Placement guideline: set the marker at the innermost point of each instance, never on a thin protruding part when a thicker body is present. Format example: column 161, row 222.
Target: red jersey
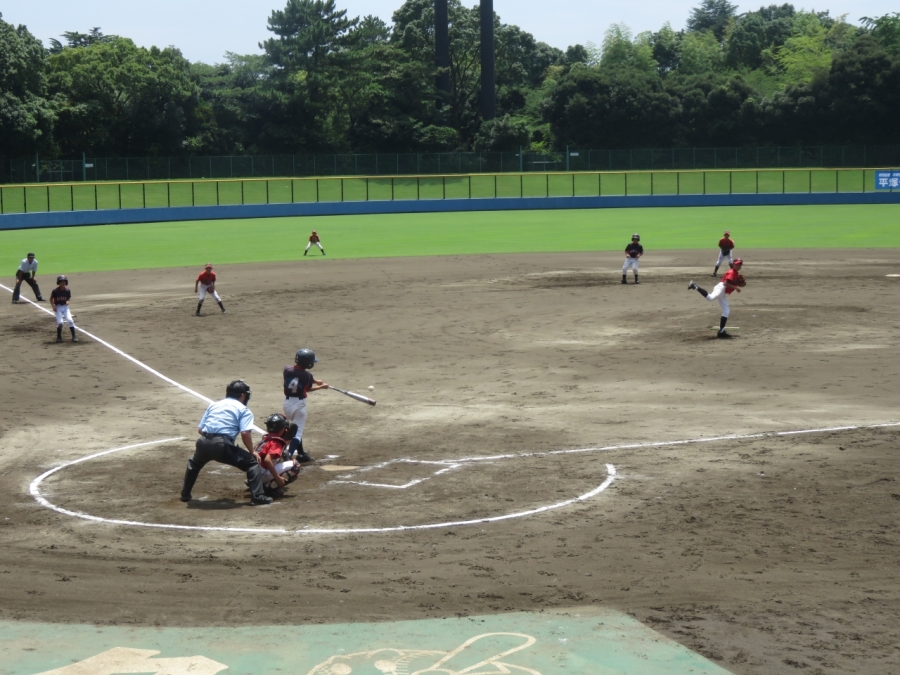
column 207, row 278
column 731, row 275
column 314, row 238
column 726, row 244
column 272, row 445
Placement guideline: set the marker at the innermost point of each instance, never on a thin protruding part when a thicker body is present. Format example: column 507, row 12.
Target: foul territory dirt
column 767, row 554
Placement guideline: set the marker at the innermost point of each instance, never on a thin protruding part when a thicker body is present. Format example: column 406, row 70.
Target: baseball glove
column 741, row 281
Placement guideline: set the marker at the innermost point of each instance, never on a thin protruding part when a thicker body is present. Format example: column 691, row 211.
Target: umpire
column 219, row 426
column 27, row 272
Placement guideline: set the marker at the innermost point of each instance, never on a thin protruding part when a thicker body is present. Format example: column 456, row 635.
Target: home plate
column 337, row 467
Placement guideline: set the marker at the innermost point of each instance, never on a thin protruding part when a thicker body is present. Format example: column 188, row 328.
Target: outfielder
column 206, row 283
column 633, row 253
column 218, row 428
column 726, row 246
column 27, row 272
column 298, row 382
column 59, row 298
column 314, row 239
column 732, row 281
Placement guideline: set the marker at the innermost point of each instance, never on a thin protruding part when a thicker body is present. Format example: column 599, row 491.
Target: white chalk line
column 451, row 464
column 35, row 490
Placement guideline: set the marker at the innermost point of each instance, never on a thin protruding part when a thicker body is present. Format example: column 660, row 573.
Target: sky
column 205, row 30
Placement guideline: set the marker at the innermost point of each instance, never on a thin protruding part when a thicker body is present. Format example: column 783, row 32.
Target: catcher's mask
column 236, row 388
column 276, row 423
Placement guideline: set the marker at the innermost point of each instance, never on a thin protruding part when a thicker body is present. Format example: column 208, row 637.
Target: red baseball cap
column 738, row 261
column 727, row 232
column 208, row 266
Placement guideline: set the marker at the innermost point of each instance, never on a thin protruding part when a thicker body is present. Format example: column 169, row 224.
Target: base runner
column 59, row 298
column 206, row 283
column 726, row 246
column 633, row 253
column 732, row 281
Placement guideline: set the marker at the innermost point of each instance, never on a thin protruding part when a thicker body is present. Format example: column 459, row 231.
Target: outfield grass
column 192, row 243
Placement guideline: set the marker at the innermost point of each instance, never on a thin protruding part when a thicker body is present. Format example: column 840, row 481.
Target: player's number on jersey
column 293, row 384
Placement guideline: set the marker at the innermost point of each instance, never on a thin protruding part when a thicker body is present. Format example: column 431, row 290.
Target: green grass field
column 192, row 243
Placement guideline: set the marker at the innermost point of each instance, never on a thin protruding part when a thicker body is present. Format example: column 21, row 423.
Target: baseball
column 371, row 388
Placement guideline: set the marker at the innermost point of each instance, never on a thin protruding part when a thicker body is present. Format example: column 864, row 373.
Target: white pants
column 722, row 257
column 204, row 290
column 63, row 314
column 632, row 263
column 295, row 411
column 317, row 244
column 718, row 293
column 281, row 468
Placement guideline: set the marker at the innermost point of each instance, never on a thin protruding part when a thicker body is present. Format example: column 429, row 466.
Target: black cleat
column 692, row 286
column 303, row 458
column 723, row 334
column 74, row 339
column 58, row 340
column 261, row 500
column 185, row 498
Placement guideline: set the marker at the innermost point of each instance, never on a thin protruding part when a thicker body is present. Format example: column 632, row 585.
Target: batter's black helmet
column 636, row 237
column 61, row 278
column 236, row 388
column 276, row 422
column 305, row 358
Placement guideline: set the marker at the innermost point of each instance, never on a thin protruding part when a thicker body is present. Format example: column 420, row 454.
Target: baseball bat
column 353, row 395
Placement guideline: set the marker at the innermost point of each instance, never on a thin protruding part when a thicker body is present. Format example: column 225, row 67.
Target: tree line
column 325, row 82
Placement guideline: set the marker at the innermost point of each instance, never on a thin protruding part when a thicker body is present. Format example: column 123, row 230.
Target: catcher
column 281, row 471
column 27, row 272
column 732, row 281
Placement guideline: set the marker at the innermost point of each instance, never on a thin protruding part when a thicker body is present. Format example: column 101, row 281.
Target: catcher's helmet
column 236, row 388
column 61, row 278
column 305, row 358
column 276, row 422
column 738, row 261
column 635, row 237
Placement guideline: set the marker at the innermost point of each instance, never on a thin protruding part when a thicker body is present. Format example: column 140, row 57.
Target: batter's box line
column 448, row 465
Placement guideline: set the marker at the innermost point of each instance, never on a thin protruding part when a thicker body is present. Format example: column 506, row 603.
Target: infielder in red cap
column 206, row 283
column 314, row 239
column 726, row 246
column 732, row 281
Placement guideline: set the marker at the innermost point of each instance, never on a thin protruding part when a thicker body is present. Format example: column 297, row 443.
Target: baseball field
column 548, row 445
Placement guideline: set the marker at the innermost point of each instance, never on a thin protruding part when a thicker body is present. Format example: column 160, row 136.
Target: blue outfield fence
column 92, row 169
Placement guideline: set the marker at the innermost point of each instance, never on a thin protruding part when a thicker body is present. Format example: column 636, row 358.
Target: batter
column 732, row 281
column 298, row 382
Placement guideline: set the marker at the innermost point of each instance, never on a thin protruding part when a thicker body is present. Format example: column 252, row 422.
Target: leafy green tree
column 666, row 46
column 712, row 15
column 755, row 32
column 620, row 50
column 505, row 133
column 26, row 115
column 120, row 99
column 885, row 29
column 75, row 40
column 699, row 53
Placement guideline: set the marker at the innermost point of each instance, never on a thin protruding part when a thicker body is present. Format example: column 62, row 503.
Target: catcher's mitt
column 741, row 281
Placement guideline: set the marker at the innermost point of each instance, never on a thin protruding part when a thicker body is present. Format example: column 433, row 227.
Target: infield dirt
column 767, row 555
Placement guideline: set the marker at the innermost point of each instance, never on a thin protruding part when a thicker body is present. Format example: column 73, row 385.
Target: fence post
column 704, row 182
column 144, row 193
column 567, row 157
column 120, row 194
column 730, row 190
column 367, row 185
column 470, row 186
column 1, row 200
column 418, row 197
column 495, row 186
column 96, row 203
column 443, row 181
column 626, row 183
column 342, row 180
column 782, row 176
column 267, row 191
column 392, row 189
column 757, row 180
column 677, row 181
column 168, row 194
column 48, row 199
column 192, row 193
column 217, row 194
column 521, row 160
column 242, row 192
column 37, row 168
column 83, row 168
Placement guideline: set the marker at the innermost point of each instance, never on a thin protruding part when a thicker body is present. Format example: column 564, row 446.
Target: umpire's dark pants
column 31, row 282
column 221, row 449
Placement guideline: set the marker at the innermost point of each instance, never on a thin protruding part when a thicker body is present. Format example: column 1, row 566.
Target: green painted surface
column 193, row 243
column 579, row 642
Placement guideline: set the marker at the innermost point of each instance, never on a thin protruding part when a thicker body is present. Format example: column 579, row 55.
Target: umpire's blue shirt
column 228, row 417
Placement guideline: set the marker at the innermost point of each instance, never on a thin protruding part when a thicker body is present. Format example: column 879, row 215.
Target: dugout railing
column 47, row 197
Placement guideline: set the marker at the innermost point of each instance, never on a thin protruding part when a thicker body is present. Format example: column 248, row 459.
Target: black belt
column 287, row 397
column 211, row 437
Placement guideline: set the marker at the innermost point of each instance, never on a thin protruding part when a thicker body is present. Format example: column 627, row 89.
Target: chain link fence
column 86, row 169
column 155, row 194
